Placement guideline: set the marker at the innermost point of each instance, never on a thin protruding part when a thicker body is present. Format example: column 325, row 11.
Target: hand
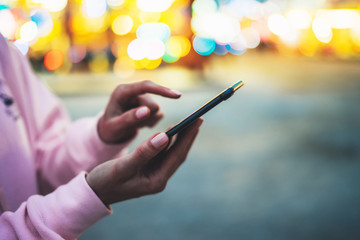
column 144, row 171
column 129, row 108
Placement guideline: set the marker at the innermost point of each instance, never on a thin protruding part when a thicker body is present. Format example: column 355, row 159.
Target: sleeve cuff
column 71, row 208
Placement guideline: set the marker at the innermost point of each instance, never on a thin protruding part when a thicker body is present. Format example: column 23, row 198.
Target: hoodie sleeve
column 62, row 214
column 61, row 148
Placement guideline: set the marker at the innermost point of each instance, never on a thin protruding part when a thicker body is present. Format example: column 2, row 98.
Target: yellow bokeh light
column 122, row 25
column 97, row 25
column 78, row 24
column 123, row 68
column 153, row 64
column 145, row 63
column 355, row 35
column 146, row 17
column 308, row 44
column 342, row 43
column 99, row 63
column 178, row 46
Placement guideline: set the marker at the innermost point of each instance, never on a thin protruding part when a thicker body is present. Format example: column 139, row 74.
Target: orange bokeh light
column 53, row 60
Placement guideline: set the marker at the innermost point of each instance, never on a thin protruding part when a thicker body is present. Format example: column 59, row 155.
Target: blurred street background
column 279, row 160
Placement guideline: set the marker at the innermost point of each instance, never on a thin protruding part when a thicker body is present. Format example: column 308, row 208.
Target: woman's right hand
column 144, row 171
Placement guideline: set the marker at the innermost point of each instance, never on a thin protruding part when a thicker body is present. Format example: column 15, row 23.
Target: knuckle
column 146, row 82
column 143, row 151
column 159, row 185
column 155, row 185
column 119, row 89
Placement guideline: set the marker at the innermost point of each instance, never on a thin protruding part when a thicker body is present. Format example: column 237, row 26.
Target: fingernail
column 159, row 140
column 176, row 92
column 142, row 112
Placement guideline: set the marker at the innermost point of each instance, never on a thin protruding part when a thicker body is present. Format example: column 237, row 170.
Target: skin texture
column 144, row 171
column 148, row 168
column 130, row 107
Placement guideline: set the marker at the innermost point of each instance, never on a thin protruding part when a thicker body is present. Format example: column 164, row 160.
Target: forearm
column 63, row 214
column 63, row 153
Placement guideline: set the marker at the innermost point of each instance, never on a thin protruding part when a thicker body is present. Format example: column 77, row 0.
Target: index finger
column 150, row 87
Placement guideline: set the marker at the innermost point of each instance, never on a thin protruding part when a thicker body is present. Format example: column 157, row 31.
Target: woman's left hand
column 130, row 108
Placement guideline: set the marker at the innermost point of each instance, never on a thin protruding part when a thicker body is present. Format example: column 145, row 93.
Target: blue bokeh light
column 204, row 46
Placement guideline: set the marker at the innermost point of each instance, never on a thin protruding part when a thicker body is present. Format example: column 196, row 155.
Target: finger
column 131, row 119
column 149, row 87
column 146, row 100
column 178, row 152
column 148, row 149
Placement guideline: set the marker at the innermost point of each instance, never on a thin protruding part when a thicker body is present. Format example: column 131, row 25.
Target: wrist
column 92, row 184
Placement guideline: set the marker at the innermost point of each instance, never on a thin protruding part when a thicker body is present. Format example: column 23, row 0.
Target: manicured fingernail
column 159, row 140
column 142, row 112
column 176, row 92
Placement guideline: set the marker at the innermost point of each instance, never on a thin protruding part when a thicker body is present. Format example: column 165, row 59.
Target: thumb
column 149, row 149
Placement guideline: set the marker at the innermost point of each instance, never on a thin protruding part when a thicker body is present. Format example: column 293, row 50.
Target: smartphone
column 222, row 96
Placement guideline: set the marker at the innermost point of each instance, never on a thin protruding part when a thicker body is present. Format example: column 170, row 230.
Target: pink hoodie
column 40, row 150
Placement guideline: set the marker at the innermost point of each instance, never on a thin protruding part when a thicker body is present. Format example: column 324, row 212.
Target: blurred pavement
column 279, row 160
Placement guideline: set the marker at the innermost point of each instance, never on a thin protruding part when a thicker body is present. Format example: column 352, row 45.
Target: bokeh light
column 137, row 49
column 28, row 31
column 7, row 24
column 340, row 18
column 77, row 53
column 122, row 25
column 115, row 4
column 99, row 62
column 143, row 33
column 43, row 21
column 94, row 8
column 54, row 5
column 217, row 26
column 53, row 60
column 204, row 46
column 169, row 58
column 252, row 37
column 159, row 31
column 299, row 18
column 154, row 5
column 322, row 29
column 278, row 24
column 204, row 7
column 148, row 17
column 123, row 68
column 178, row 46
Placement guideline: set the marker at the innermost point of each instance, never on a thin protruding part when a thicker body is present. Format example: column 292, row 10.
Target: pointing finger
column 149, row 87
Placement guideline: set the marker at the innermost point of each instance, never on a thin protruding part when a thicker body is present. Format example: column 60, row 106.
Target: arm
column 74, row 207
column 86, row 143
column 62, row 214
column 62, row 149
